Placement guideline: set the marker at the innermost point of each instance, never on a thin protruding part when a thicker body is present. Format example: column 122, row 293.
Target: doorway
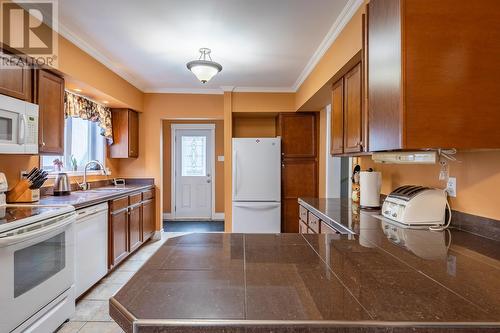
column 193, row 171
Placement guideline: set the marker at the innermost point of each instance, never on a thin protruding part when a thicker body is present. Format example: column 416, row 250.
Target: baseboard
column 218, row 217
column 156, row 236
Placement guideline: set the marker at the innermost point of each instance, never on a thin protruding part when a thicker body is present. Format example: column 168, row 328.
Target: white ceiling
column 263, row 45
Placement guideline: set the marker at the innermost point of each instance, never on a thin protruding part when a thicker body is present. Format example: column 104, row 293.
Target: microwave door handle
column 10, row 240
column 22, row 129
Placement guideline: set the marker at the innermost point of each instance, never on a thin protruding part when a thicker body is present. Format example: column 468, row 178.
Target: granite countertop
column 81, row 199
column 381, row 279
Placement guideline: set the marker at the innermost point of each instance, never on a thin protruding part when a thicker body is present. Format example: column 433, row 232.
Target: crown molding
column 200, row 91
column 345, row 16
column 265, row 89
column 73, row 38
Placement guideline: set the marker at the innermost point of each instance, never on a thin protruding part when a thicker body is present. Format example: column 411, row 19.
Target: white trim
column 265, row 89
column 86, row 47
column 345, row 16
column 218, row 217
column 167, row 216
column 174, row 128
column 200, row 91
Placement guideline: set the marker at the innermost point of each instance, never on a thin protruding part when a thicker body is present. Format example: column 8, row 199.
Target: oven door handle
column 59, row 225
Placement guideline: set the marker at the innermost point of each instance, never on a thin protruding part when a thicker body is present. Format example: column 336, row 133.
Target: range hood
column 406, row 157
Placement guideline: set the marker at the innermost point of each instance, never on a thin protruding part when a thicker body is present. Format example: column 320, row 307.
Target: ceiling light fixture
column 204, row 69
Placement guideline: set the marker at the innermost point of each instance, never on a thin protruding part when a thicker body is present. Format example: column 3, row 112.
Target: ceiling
column 263, row 45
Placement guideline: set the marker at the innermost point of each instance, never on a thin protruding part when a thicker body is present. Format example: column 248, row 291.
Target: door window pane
column 193, row 150
column 5, row 129
column 37, row 263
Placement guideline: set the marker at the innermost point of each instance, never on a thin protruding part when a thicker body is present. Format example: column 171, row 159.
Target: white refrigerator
column 256, row 185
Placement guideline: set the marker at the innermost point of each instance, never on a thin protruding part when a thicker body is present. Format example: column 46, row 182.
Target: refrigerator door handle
column 258, row 206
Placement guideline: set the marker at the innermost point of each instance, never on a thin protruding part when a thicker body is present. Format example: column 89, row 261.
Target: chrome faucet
column 86, row 186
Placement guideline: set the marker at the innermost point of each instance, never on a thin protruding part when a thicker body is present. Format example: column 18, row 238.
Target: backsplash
column 477, row 173
column 12, row 165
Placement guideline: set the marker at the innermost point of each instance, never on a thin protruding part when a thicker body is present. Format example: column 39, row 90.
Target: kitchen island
column 371, row 281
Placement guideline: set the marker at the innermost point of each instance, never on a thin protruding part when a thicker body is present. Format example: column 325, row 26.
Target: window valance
column 80, row 107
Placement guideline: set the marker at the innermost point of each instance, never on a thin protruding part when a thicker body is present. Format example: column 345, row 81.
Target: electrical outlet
column 451, row 187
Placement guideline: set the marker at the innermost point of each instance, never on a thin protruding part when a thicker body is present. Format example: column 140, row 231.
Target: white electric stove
column 37, row 260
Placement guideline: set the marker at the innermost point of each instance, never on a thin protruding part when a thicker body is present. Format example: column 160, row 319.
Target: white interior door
column 193, row 171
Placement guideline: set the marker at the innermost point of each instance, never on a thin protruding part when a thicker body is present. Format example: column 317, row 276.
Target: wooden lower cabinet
column 311, row 224
column 303, row 227
column 148, row 219
column 118, row 236
column 131, row 223
column 134, row 227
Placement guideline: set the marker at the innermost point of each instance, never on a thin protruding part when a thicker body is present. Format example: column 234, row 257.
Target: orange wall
column 167, row 162
column 254, row 127
column 158, row 107
column 347, row 44
column 262, row 102
column 477, row 173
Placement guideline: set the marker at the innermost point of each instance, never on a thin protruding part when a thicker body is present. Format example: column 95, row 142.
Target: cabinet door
column 385, row 96
column 337, row 118
column 352, row 111
column 15, row 81
column 118, row 236
column 299, row 165
column 133, row 133
column 134, row 227
column 298, row 135
column 148, row 219
column 299, row 179
column 50, row 98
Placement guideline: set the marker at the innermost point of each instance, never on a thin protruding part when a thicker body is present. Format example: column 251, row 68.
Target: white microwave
column 18, row 126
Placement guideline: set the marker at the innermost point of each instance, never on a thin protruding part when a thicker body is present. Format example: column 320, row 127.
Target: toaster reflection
column 423, row 243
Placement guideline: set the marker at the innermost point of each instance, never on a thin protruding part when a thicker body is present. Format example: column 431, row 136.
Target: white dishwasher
column 91, row 257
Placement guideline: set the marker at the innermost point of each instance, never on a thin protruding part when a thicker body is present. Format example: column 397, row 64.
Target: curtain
column 80, row 107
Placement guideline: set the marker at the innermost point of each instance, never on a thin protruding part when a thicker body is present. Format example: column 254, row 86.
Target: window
column 82, row 143
column 194, row 149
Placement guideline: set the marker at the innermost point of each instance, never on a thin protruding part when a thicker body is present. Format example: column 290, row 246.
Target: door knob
column 209, row 180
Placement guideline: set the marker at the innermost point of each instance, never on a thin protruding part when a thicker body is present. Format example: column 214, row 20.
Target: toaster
column 416, row 205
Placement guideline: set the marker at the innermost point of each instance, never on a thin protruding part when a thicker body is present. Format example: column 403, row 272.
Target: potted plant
column 74, row 163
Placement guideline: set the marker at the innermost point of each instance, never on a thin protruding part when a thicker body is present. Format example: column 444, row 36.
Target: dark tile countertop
column 96, row 195
column 382, row 279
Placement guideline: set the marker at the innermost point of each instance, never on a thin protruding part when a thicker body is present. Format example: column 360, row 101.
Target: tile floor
column 91, row 314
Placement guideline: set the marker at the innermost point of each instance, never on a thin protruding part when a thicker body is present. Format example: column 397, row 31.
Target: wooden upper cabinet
column 298, row 134
column 353, row 125
column 347, row 120
column 125, row 134
column 337, row 118
column 15, row 81
column 429, row 85
column 50, row 99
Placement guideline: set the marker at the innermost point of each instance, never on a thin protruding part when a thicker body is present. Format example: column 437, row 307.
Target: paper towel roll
column 370, row 184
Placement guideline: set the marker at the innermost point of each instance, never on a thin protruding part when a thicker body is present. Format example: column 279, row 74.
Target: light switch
column 220, row 158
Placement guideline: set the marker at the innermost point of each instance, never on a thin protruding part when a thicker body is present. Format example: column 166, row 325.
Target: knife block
column 21, row 193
